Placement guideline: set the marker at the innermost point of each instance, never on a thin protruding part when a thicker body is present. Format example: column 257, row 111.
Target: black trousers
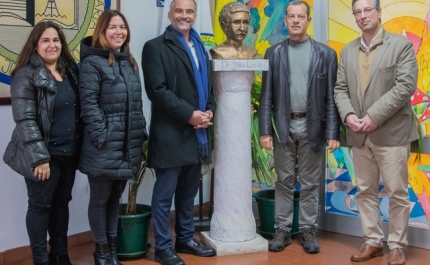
column 103, row 209
column 48, row 208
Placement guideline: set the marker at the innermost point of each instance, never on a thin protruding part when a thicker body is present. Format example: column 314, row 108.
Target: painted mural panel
column 412, row 19
column 17, row 18
column 266, row 29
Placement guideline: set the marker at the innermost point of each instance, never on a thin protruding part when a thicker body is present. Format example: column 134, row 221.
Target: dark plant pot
column 266, row 212
column 132, row 241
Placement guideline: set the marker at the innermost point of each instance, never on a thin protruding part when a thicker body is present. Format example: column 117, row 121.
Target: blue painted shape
column 338, row 201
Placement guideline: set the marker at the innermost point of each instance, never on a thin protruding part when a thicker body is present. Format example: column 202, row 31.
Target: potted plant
column 134, row 218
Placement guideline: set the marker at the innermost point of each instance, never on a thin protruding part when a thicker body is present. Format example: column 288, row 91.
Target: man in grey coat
column 297, row 92
column 376, row 79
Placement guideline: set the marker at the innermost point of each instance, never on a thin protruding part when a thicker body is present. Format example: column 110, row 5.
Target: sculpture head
column 234, row 20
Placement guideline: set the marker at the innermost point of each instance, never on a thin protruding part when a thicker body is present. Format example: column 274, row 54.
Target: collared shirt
column 193, row 52
column 372, row 42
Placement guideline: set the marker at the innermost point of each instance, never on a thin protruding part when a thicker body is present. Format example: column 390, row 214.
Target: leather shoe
column 194, row 247
column 397, row 257
column 168, row 257
column 367, row 252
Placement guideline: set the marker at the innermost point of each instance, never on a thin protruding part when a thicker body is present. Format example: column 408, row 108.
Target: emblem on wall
column 17, row 18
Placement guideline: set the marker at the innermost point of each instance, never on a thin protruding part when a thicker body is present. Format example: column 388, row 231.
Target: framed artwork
column 17, row 21
column 160, row 3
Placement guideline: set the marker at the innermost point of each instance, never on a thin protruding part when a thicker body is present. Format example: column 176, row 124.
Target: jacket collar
column 314, row 58
column 41, row 77
column 176, row 46
column 87, row 50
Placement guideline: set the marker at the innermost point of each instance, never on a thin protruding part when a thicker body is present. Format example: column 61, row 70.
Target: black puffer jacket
column 111, row 108
column 33, row 93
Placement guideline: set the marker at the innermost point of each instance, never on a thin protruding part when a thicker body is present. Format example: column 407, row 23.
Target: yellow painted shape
column 340, row 33
column 410, row 9
column 418, row 180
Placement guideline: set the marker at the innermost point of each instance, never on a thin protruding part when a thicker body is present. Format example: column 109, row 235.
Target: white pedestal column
column 233, row 229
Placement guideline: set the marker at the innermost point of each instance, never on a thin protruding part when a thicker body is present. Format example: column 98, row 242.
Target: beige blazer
column 392, row 81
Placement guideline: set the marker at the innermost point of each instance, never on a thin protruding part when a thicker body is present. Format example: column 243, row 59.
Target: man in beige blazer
column 377, row 76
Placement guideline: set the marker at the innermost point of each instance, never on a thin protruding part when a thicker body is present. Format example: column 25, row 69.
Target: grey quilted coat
column 111, row 109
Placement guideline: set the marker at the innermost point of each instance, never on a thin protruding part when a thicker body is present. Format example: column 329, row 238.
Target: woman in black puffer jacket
column 46, row 140
column 114, row 126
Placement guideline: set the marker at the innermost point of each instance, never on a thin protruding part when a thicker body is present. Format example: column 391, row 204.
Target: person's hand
column 368, row 125
column 332, row 144
column 42, row 171
column 266, row 142
column 201, row 119
column 353, row 122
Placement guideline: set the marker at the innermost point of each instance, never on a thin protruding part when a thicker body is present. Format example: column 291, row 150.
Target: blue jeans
column 103, row 209
column 183, row 182
column 48, row 208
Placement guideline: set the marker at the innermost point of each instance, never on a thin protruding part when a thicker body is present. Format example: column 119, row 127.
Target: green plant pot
column 266, row 212
column 132, row 240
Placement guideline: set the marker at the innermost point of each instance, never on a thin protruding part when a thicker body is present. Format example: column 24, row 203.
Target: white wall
column 144, row 20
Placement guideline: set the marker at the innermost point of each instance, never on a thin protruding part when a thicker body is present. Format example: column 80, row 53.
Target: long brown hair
column 99, row 36
column 65, row 60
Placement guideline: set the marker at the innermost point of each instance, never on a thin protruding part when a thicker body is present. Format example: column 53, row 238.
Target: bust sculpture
column 234, row 20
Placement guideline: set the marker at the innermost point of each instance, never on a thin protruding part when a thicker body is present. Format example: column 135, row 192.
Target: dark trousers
column 183, row 182
column 48, row 208
column 103, row 209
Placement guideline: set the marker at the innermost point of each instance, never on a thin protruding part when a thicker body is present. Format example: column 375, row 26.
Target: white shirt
column 193, row 52
column 372, row 42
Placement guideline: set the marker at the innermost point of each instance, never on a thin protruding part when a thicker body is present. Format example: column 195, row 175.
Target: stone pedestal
column 233, row 228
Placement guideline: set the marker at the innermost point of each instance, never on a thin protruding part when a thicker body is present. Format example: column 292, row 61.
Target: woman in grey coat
column 114, row 126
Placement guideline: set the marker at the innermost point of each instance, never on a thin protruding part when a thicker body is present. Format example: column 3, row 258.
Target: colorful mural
column 17, row 18
column 411, row 19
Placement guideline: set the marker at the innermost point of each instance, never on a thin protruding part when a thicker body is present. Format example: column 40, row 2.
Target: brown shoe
column 397, row 257
column 367, row 252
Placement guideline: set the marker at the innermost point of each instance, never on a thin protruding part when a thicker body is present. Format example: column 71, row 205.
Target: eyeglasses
column 366, row 11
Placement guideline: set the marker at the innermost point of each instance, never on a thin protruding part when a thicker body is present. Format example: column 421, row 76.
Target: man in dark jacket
column 178, row 83
column 298, row 91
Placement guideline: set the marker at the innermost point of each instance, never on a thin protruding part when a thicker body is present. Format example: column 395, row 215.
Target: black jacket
column 321, row 114
column 170, row 85
column 111, row 108
column 33, row 93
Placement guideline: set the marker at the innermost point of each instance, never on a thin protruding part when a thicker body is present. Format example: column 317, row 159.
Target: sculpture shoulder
column 228, row 52
column 249, row 49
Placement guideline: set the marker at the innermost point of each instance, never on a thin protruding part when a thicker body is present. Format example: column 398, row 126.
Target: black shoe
column 102, row 254
column 309, row 241
column 281, row 239
column 112, row 248
column 194, row 247
column 59, row 260
column 168, row 257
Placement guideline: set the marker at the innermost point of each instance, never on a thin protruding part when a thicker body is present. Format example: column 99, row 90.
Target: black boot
column 112, row 246
column 102, row 255
column 59, row 260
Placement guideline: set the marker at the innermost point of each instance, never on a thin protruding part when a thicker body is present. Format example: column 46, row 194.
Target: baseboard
column 19, row 254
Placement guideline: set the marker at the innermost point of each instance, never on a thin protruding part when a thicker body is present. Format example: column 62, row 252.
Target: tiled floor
column 336, row 249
